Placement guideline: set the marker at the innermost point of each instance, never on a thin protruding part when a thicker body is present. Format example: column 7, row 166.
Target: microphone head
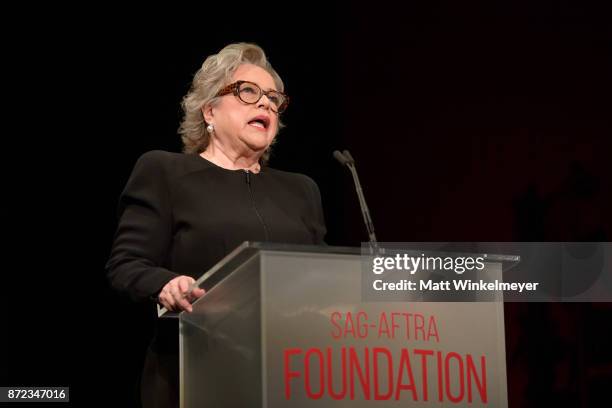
column 340, row 157
column 348, row 156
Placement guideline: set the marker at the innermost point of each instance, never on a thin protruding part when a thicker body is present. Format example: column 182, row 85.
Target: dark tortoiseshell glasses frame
column 271, row 95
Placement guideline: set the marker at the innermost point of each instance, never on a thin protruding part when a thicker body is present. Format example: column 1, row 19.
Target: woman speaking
column 180, row 213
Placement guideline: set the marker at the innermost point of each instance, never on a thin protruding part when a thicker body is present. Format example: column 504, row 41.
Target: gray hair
column 215, row 73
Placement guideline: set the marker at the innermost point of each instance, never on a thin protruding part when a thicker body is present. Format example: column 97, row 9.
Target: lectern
column 288, row 326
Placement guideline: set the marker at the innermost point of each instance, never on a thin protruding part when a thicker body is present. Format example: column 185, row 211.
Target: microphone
column 341, row 158
column 347, row 154
column 346, row 159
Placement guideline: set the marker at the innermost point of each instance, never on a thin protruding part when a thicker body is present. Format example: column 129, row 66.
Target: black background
column 472, row 121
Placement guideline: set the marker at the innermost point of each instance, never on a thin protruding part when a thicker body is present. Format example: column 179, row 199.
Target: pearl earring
column 210, row 128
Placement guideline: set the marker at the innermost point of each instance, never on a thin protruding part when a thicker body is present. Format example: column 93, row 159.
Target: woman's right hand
column 175, row 295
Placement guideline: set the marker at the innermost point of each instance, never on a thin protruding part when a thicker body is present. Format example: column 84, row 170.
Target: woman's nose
column 264, row 102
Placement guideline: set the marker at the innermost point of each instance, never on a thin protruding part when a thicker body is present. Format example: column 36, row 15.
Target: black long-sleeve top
column 180, row 214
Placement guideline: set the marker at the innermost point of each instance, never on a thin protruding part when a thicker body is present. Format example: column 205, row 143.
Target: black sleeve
column 318, row 219
column 144, row 233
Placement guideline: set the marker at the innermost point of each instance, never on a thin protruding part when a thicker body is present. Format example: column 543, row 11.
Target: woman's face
column 240, row 126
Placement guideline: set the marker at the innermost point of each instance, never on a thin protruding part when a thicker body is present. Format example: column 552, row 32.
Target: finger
column 173, row 295
column 180, row 301
column 184, row 285
column 183, row 304
column 165, row 296
column 167, row 301
column 197, row 292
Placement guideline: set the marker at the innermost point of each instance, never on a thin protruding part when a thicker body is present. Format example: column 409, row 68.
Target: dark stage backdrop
column 468, row 122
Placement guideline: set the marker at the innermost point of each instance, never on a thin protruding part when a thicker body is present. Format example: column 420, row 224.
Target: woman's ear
column 207, row 112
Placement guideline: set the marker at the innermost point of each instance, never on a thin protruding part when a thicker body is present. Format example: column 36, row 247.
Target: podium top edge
column 325, row 249
column 328, row 249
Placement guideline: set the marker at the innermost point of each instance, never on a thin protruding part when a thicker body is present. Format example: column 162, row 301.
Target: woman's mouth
column 261, row 122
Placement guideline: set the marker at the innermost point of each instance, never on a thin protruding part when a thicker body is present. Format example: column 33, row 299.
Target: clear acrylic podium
column 286, row 326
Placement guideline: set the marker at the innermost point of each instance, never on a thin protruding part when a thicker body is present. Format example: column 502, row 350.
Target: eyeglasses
column 249, row 92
